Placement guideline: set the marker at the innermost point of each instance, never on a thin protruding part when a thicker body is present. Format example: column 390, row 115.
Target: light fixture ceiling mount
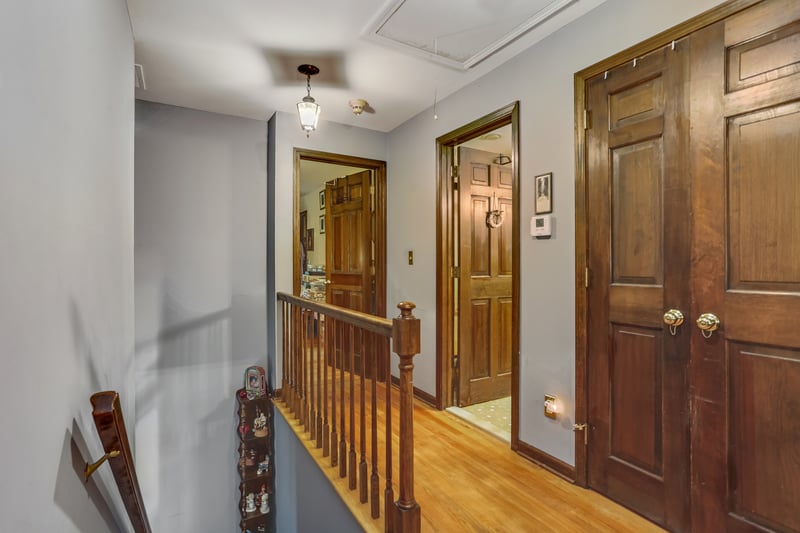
column 308, row 109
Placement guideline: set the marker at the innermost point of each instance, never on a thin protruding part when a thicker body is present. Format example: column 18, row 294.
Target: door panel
column 749, row 137
column 485, row 300
column 746, row 375
column 764, row 376
column 636, row 208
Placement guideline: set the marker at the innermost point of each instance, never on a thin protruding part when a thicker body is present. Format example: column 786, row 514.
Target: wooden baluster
column 326, row 357
column 362, row 465
column 388, row 492
column 301, row 358
column 294, row 360
column 375, row 497
column 289, row 357
column 318, row 362
column 334, row 434
column 300, row 374
column 352, row 457
column 311, row 415
column 405, row 340
column 342, row 441
column 285, row 365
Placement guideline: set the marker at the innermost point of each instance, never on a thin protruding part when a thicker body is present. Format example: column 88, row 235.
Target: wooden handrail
column 313, row 384
column 110, row 425
column 381, row 326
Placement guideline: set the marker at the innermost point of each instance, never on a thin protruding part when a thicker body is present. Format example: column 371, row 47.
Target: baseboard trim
column 546, row 461
column 419, row 394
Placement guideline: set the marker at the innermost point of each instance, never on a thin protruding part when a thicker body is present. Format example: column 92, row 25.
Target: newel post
column 406, row 344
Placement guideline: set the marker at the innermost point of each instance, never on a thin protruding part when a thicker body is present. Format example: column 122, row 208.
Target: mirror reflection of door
column 341, row 240
column 313, row 235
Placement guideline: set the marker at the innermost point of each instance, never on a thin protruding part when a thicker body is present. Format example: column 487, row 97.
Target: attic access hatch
column 459, row 33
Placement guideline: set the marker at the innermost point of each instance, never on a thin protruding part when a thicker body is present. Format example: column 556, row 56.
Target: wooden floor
column 468, row 481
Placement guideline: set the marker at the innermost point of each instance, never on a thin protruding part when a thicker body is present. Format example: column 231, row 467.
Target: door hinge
column 586, row 117
column 455, row 272
column 585, row 429
column 455, row 360
column 372, row 198
column 587, row 277
column 454, row 173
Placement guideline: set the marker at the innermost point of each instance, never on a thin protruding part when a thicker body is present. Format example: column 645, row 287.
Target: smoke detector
column 357, row 105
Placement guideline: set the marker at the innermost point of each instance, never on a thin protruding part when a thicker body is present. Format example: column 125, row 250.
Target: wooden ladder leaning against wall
column 330, row 383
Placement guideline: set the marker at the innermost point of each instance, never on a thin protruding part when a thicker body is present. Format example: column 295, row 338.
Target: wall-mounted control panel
column 542, row 226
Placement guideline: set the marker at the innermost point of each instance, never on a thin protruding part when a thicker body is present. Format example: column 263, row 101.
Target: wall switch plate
column 411, row 257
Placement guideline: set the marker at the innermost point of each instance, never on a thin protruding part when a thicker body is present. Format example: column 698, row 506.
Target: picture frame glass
column 543, row 194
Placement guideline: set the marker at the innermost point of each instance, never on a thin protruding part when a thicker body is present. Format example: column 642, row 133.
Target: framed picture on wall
column 322, row 199
column 321, row 224
column 303, row 222
column 310, row 240
column 544, row 194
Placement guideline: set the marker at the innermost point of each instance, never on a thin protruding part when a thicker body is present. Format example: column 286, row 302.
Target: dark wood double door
column 693, row 204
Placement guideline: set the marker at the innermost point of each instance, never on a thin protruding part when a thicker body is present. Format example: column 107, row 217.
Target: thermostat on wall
column 541, row 226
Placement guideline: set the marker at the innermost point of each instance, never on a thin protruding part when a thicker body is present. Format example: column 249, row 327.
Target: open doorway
column 340, row 230
column 478, row 272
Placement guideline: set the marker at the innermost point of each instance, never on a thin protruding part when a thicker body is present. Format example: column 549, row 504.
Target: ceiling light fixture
column 308, row 109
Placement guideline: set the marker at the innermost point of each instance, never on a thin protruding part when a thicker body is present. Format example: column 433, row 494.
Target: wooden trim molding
column 546, row 461
column 664, row 38
column 380, row 215
column 445, row 297
column 419, row 394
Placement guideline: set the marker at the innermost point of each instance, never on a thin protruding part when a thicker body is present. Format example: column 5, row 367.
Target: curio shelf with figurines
column 255, row 454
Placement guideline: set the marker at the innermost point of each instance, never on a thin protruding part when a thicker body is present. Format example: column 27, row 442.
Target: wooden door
column 745, row 377
column 349, row 245
column 638, row 226
column 485, row 292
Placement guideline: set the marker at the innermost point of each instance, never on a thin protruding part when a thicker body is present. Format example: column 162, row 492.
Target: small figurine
column 251, row 457
column 260, row 424
column 242, row 459
column 243, row 427
column 255, row 383
column 264, row 500
column 263, row 466
column 251, row 503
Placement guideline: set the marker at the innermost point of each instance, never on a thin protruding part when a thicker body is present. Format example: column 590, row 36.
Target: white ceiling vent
column 447, row 33
column 139, row 74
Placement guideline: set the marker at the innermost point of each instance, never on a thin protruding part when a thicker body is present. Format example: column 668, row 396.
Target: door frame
column 445, row 255
column 379, row 168
column 582, row 272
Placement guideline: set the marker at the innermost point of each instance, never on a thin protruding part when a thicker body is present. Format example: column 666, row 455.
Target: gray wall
column 66, row 241
column 541, row 78
column 200, row 306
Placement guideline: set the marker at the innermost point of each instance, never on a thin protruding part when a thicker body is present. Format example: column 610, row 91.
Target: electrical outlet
column 550, row 406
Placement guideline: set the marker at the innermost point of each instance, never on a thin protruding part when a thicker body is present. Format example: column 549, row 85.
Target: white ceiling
column 240, row 57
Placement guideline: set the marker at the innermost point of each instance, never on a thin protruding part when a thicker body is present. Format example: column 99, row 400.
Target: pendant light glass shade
column 308, row 110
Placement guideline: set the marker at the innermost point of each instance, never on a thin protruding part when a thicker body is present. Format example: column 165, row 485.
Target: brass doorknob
column 673, row 318
column 708, row 323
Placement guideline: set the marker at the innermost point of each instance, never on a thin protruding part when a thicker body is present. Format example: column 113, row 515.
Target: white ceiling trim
column 374, row 29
